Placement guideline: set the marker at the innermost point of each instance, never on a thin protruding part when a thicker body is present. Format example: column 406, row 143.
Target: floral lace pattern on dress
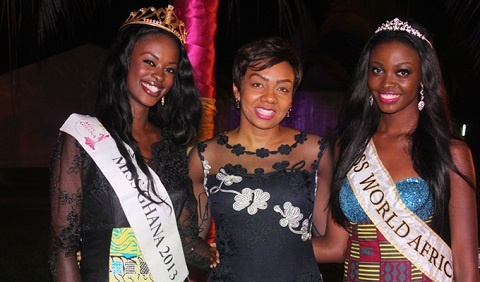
column 291, row 219
column 262, row 203
column 283, row 149
column 256, row 199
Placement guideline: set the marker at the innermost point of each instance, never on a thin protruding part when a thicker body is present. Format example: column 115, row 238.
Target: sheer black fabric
column 262, row 204
column 85, row 209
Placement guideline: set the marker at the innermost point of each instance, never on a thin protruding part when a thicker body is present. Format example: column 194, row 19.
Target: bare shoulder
column 459, row 147
column 462, row 158
column 460, row 152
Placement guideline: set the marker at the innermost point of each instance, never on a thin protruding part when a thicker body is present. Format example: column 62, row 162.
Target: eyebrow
column 396, row 65
column 266, row 79
column 149, row 53
column 157, row 58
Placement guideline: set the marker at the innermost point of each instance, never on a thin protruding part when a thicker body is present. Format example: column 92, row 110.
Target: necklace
column 283, row 149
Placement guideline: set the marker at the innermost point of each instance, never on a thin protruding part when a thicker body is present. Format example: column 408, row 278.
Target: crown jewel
column 398, row 25
column 163, row 18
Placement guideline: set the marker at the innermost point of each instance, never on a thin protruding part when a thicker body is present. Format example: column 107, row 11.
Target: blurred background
column 50, row 51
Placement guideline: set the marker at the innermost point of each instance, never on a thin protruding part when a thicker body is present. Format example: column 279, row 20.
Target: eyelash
column 169, row 70
column 150, row 62
column 375, row 70
column 402, row 72
column 282, row 89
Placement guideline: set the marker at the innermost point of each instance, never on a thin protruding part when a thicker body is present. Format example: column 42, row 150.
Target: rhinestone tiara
column 163, row 18
column 398, row 25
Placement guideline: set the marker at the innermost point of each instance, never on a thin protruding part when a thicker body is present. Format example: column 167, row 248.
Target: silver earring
column 421, row 104
column 370, row 100
column 288, row 112
column 237, row 103
column 163, row 100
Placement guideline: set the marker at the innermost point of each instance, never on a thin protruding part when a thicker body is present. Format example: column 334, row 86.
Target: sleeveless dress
column 262, row 204
column 370, row 257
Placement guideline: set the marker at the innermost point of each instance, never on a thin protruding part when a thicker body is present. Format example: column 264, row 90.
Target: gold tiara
column 398, row 25
column 162, row 18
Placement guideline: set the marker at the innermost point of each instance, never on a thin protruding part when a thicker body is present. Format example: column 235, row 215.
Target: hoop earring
column 421, row 104
column 288, row 112
column 237, row 103
column 370, row 100
column 163, row 101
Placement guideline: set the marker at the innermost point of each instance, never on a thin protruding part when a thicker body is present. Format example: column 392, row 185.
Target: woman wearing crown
column 120, row 190
column 403, row 194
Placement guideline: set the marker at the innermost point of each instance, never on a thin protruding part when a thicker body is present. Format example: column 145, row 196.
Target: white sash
column 154, row 224
column 378, row 196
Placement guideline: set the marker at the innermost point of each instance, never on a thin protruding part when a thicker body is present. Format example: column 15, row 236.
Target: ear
column 236, row 92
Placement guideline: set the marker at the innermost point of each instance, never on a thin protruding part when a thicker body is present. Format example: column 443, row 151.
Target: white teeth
column 265, row 112
column 151, row 87
column 389, row 96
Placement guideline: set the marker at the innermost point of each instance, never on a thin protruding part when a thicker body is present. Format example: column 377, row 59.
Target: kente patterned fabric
column 370, row 256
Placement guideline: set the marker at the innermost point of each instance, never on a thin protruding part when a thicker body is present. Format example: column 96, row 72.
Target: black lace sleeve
column 197, row 251
column 66, row 198
column 170, row 162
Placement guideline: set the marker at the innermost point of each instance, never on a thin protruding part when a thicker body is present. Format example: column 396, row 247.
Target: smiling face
column 394, row 77
column 153, row 64
column 265, row 96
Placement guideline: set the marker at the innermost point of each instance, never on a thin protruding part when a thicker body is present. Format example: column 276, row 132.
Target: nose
column 158, row 75
column 270, row 97
column 388, row 80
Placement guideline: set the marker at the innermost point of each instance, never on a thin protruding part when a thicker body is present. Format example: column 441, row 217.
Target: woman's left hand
column 214, row 256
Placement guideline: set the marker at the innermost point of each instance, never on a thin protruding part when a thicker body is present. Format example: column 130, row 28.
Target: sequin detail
column 414, row 193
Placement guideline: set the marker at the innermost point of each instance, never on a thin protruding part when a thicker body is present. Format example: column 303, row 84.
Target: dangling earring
column 288, row 112
column 163, row 100
column 370, row 100
column 237, row 103
column 421, row 104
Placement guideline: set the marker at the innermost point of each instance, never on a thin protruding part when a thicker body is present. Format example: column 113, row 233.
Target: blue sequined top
column 414, row 193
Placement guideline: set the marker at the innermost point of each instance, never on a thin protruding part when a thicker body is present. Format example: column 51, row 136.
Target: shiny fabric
column 87, row 209
column 370, row 257
column 262, row 205
column 200, row 18
column 414, row 193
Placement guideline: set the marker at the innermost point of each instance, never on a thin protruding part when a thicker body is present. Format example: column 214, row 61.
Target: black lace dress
column 262, row 204
column 85, row 209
